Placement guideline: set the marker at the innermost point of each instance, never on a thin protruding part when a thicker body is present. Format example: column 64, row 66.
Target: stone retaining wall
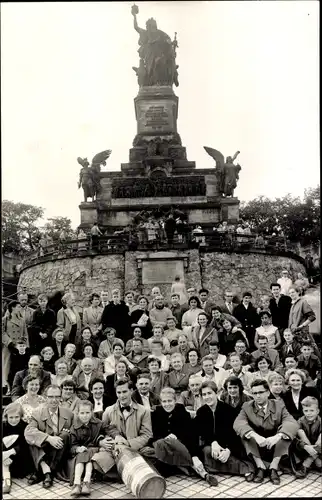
column 216, row 271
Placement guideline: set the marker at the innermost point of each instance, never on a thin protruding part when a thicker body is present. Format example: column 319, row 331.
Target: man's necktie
column 127, row 408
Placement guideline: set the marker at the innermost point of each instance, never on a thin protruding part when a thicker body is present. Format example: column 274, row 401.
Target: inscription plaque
column 161, row 271
column 155, row 116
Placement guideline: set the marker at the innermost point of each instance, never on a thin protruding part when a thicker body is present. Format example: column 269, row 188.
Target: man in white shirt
column 285, row 282
column 210, row 372
column 104, row 298
column 219, row 359
column 95, row 233
column 84, row 377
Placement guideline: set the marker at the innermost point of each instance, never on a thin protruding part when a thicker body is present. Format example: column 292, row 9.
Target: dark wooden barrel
column 143, row 480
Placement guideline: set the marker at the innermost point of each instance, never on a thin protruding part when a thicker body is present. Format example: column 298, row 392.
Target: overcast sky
column 249, row 81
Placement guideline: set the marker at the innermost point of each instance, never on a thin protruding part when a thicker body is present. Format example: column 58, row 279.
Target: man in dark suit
column 206, row 304
column 228, row 306
column 246, row 313
column 48, row 437
column 116, row 315
column 267, row 430
column 222, row 449
column 176, row 309
column 191, row 399
column 34, row 368
column 143, row 395
column 280, row 306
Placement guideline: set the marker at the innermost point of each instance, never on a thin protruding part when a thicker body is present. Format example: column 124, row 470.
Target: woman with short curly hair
column 297, row 391
column 30, row 400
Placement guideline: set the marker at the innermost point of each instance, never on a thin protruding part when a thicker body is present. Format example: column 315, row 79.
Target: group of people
column 191, row 385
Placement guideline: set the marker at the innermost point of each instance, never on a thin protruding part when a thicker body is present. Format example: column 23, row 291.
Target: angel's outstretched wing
column 82, row 161
column 100, row 158
column 216, row 155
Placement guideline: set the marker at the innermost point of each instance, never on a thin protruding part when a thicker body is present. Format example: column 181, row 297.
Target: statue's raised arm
column 134, row 12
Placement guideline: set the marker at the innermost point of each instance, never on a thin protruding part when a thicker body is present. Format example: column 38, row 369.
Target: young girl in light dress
column 268, row 330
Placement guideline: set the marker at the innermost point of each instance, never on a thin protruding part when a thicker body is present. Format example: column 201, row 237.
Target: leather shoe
column 76, row 491
column 211, row 479
column 48, row 481
column 274, row 477
column 259, row 475
column 34, row 479
column 250, row 477
column 301, row 472
column 86, row 489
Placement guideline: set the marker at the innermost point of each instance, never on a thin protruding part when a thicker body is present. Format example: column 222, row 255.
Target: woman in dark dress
column 229, row 336
column 140, row 317
column 85, row 339
column 174, row 443
column 121, row 372
column 296, row 392
column 42, row 326
column 58, row 343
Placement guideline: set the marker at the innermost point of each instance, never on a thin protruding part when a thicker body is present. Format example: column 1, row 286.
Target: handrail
column 208, row 240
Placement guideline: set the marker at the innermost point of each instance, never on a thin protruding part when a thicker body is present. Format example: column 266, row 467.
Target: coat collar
column 78, row 424
column 134, row 407
column 270, row 408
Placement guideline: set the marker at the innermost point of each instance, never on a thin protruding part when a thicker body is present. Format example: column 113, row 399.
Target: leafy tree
column 298, row 220
column 19, row 226
column 58, row 225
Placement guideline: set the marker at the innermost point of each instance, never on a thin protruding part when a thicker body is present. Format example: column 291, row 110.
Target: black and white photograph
column 160, row 250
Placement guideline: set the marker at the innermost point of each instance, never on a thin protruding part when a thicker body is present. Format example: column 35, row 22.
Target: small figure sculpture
column 228, row 173
column 89, row 177
column 157, row 54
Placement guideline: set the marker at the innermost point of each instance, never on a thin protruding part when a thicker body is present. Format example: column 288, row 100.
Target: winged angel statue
column 228, row 172
column 89, row 176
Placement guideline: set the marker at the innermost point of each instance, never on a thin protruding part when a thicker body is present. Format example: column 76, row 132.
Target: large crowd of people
column 192, row 384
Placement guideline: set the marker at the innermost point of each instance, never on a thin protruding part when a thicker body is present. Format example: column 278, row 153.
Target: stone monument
column 158, row 173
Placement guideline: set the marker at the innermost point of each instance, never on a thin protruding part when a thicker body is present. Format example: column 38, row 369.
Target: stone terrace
column 182, row 487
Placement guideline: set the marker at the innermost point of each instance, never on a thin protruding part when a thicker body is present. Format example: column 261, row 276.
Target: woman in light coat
column 68, row 319
column 13, row 329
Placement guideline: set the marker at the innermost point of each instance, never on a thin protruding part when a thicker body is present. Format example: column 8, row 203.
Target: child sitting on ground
column 308, row 442
column 16, row 459
column 85, row 435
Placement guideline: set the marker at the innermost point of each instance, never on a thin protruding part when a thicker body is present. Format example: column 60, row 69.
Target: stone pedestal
column 158, row 174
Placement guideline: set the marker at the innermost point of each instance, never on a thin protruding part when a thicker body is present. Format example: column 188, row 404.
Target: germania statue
column 157, row 55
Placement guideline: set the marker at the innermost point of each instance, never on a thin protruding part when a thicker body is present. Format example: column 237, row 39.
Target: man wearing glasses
column 266, row 429
column 48, row 436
